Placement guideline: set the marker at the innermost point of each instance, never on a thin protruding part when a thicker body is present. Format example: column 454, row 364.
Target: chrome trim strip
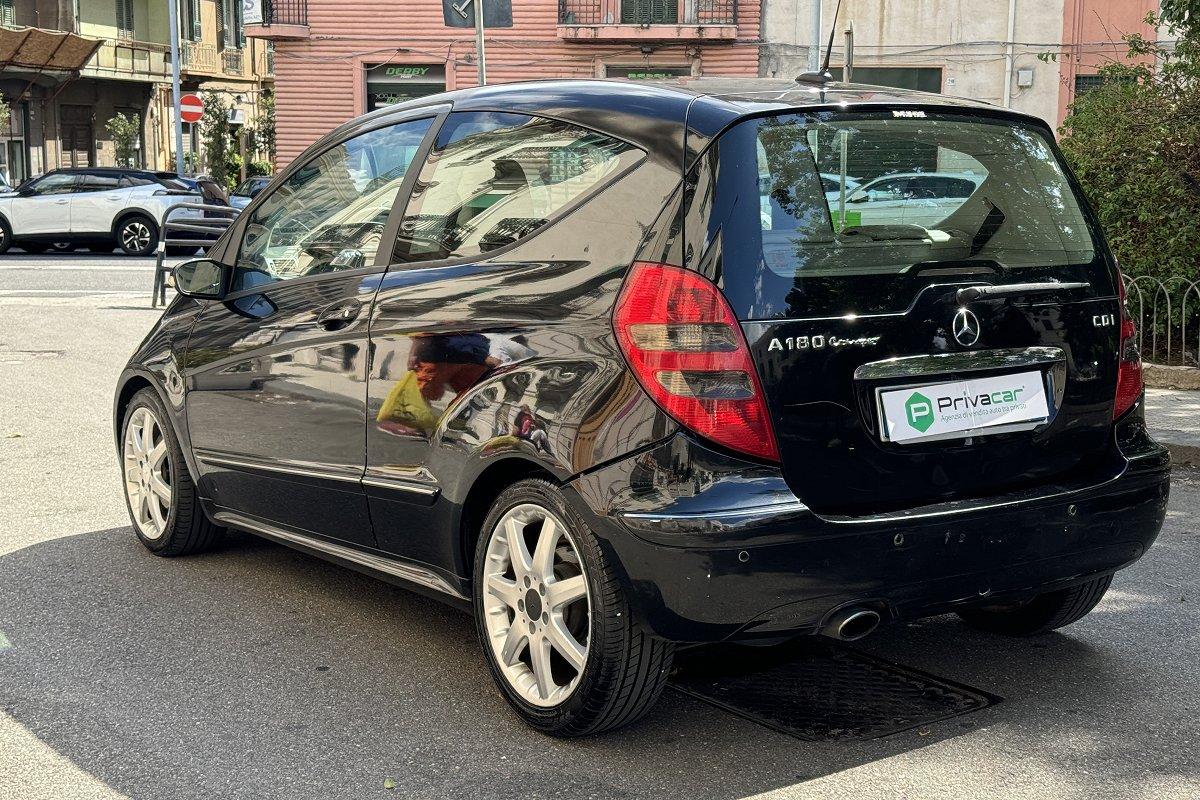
column 400, row 485
column 394, row 567
column 971, row 361
column 245, row 463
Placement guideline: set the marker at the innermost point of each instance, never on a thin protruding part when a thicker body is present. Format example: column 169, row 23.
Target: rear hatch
column 947, row 330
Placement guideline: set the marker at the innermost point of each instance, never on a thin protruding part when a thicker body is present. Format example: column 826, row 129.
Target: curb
column 1182, row 455
column 1158, row 376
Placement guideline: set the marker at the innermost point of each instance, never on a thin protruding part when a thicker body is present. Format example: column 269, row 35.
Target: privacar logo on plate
column 920, row 411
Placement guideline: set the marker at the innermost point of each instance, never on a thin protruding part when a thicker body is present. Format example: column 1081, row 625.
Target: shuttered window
column 649, row 12
column 189, row 20
column 8, row 16
column 230, row 34
column 125, row 19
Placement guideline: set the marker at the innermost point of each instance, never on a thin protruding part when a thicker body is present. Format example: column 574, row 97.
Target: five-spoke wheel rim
column 147, row 473
column 135, row 236
column 536, row 605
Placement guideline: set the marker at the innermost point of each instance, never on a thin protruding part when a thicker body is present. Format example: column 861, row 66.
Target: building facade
column 335, row 59
column 1029, row 55
column 67, row 68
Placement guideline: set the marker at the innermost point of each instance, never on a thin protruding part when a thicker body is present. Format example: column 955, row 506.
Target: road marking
column 75, row 268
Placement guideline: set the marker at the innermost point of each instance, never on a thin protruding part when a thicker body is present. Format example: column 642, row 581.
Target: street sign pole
column 173, row 24
column 479, row 42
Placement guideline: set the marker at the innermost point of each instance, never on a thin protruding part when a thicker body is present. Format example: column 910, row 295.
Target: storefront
column 388, row 84
column 14, row 142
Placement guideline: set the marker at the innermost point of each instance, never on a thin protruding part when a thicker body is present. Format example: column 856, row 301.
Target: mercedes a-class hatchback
column 613, row 367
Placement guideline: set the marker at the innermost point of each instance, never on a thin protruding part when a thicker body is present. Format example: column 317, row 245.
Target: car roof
column 653, row 114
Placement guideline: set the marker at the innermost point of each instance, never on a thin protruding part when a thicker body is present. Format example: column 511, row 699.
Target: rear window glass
column 858, row 204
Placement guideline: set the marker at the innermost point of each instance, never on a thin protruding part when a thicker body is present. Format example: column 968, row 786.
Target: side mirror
column 25, row 191
column 201, row 278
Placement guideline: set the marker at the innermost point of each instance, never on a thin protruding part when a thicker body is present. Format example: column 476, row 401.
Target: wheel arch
column 133, row 381
column 126, row 213
column 487, row 486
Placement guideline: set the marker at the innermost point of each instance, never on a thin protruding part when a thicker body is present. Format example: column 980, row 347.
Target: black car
column 604, row 363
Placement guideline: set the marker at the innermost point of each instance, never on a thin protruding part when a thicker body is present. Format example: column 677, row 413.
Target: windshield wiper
column 969, row 294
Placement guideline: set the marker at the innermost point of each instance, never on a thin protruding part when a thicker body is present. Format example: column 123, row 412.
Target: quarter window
column 492, row 179
column 330, row 213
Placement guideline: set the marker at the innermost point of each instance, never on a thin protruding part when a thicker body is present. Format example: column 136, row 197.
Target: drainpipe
column 1008, row 52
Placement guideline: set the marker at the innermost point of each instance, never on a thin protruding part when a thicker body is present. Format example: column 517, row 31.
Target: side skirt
column 406, row 574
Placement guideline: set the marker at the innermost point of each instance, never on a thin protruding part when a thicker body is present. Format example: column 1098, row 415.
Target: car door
column 44, row 206
column 98, row 197
column 277, row 371
column 458, row 306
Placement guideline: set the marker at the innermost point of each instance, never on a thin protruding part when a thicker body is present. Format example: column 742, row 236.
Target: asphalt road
column 259, row 672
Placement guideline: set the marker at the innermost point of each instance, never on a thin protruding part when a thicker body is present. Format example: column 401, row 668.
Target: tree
column 1132, row 143
column 214, row 132
column 1180, row 14
column 264, row 134
column 125, row 133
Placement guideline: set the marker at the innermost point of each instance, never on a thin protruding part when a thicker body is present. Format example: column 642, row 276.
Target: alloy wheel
column 537, row 609
column 148, row 473
column 135, row 236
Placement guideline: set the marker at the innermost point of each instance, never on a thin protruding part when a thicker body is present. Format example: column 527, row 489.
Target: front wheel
column 137, row 236
column 1042, row 614
column 555, row 628
column 160, row 495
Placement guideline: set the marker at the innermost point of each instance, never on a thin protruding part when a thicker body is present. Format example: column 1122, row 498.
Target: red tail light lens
column 1129, row 363
column 686, row 349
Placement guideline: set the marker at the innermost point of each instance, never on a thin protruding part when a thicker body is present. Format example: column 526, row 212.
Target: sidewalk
column 1173, row 417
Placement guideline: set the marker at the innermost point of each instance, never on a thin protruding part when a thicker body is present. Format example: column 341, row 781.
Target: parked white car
column 95, row 207
column 911, row 198
column 248, row 190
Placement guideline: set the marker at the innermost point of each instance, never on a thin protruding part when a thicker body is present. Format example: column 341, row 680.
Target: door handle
column 339, row 315
column 61, row 202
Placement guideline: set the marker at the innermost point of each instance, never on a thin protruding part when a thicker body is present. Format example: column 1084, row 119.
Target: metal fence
column 1167, row 313
column 647, row 12
column 187, row 233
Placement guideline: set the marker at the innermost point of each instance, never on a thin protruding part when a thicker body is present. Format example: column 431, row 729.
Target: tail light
column 686, row 349
column 1129, row 363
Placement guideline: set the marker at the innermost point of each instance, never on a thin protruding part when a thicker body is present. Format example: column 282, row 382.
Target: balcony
column 282, row 20
column 640, row 20
column 198, row 57
column 233, row 62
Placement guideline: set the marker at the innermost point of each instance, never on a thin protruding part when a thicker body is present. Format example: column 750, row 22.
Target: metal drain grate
column 820, row 691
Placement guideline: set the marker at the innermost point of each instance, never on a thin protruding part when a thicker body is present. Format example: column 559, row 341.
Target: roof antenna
column 824, row 76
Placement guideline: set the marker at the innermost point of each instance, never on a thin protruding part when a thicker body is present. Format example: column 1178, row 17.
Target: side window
column 58, row 183
column 493, row 179
column 330, row 213
column 134, row 180
column 97, row 182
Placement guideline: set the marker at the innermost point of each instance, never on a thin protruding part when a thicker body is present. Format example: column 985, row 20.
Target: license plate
column 958, row 409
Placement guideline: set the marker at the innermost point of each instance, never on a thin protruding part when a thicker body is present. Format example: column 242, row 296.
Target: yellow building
column 109, row 57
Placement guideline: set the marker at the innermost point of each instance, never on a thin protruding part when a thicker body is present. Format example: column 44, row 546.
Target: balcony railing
column 198, row 57
column 647, row 12
column 233, row 62
column 285, row 12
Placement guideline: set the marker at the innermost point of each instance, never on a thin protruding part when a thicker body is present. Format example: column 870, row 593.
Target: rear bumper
column 714, row 548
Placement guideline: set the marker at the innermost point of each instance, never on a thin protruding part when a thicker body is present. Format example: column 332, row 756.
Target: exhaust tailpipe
column 850, row 623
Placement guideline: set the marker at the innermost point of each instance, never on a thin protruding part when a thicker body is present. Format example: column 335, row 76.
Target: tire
column 180, row 528
column 64, row 247
column 624, row 669
column 1042, row 614
column 5, row 236
column 137, row 235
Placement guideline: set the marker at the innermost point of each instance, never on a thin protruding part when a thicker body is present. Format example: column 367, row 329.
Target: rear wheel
column 159, row 492
column 553, row 623
column 1042, row 614
column 5, row 236
column 137, row 235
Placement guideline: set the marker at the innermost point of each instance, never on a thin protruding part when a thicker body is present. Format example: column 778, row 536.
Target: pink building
column 1092, row 37
column 335, row 59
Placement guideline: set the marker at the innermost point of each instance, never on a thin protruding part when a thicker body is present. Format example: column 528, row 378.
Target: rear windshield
column 850, row 210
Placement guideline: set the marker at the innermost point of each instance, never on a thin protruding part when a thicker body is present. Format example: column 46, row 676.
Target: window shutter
column 197, row 32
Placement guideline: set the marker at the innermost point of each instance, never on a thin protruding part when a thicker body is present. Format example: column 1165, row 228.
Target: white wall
column 966, row 38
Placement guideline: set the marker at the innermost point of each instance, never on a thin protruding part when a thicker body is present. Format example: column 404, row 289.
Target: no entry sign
column 191, row 108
